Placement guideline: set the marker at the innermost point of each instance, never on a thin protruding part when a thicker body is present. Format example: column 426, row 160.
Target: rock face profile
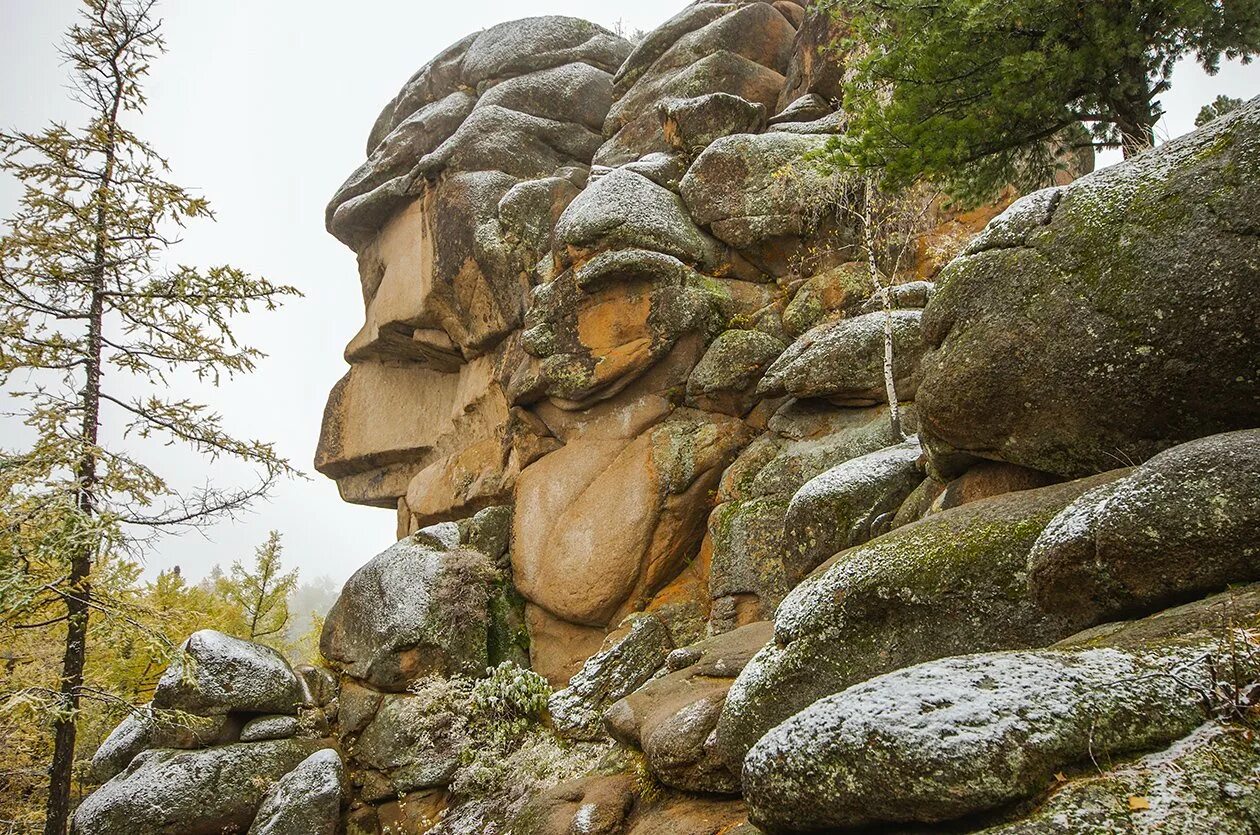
column 665, row 563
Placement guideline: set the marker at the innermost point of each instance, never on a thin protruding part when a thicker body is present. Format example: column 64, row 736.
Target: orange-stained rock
column 557, row 648
column 989, row 478
column 608, row 520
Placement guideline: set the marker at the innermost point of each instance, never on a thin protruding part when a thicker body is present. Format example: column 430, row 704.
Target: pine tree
column 261, row 594
column 95, row 332
column 978, row 93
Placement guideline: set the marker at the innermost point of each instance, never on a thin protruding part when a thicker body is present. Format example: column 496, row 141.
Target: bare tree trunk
column 872, row 265
column 79, row 594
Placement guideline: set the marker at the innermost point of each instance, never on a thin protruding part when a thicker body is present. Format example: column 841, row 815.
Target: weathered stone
column 684, row 814
column 623, row 209
column 849, row 504
column 985, row 479
column 751, row 571
column 963, row 735
column 577, row 93
column 215, row 674
column 844, row 360
column 807, row 108
column 951, row 583
column 588, row 566
column 751, row 189
column 415, row 740
column 207, row 792
column 839, row 291
column 384, row 424
column 912, row 294
column 412, row 610
column 262, row 728
column 557, row 648
column 412, row 812
column 433, row 81
column 596, row 329
column 671, row 718
column 666, row 170
column 1108, row 319
column 817, row 67
column 594, row 805
column 530, row 44
column 145, row 728
column 1202, row 783
column 628, row 658
column 319, row 684
column 727, row 374
column 1179, row 526
column 307, row 800
column 690, row 125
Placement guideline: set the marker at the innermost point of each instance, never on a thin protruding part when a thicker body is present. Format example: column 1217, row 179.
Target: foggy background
column 264, row 108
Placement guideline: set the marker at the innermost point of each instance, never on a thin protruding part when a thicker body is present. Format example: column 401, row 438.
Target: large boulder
column 207, row 792
column 951, row 583
column 307, row 800
column 1181, row 525
column 850, row 503
column 1105, row 320
column 725, row 378
column 215, row 674
column 844, row 360
column 1202, row 783
column 959, row 736
column 414, row 741
column 413, row 610
column 752, row 567
column 145, row 728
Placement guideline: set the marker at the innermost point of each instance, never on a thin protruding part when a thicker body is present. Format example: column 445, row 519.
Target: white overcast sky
column 264, row 106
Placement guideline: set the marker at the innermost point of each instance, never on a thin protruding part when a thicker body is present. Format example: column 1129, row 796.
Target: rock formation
column 664, row 565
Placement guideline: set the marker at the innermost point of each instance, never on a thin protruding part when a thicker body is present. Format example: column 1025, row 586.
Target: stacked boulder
column 625, row 377
column 234, row 740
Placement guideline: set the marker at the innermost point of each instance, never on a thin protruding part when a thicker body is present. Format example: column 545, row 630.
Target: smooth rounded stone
column 415, row 740
column 518, row 47
column 1105, row 320
column 751, row 39
column 1239, row 607
column 623, row 209
column 628, row 658
column 658, row 41
column 671, row 718
column 844, row 360
column 578, row 93
column 666, row 170
column 206, row 792
column 1179, row 526
column 433, row 81
column 850, row 503
column 839, row 291
column 955, row 737
column 596, row 805
column 215, row 674
column 726, row 376
column 807, row 108
column 691, row 124
column 495, row 138
column 720, row 72
column 320, row 684
column 912, row 294
column 144, row 728
column 397, row 154
column 262, row 728
column 752, row 187
column 529, row 210
column 411, row 611
column 817, row 65
column 951, row 583
column 1202, row 783
column 832, row 123
column 307, row 800
column 687, row 814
